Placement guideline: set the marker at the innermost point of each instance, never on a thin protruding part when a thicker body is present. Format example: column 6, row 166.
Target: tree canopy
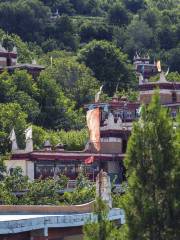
column 150, row 202
column 108, row 63
column 83, row 44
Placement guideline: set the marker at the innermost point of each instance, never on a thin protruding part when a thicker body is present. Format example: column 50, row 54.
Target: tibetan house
column 116, row 118
column 8, row 61
column 143, row 66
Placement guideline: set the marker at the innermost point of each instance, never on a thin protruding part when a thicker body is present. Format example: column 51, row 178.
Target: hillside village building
column 8, row 61
column 142, row 65
column 116, row 120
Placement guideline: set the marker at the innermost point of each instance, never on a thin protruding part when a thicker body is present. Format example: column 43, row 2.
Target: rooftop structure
column 47, row 222
column 50, row 226
column 143, row 66
column 116, row 118
column 169, row 93
column 8, row 61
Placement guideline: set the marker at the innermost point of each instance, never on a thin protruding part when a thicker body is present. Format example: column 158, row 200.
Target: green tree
column 2, row 168
column 130, row 94
column 28, row 19
column 171, row 77
column 134, row 5
column 28, row 105
column 166, row 36
column 150, row 201
column 13, row 183
column 73, row 139
column 174, row 59
column 118, row 15
column 138, row 36
column 24, row 82
column 11, row 115
column 151, row 17
column 79, row 196
column 7, row 87
column 99, row 31
column 104, row 58
column 82, row 181
column 40, row 135
column 65, row 33
column 57, row 110
column 12, row 40
column 63, row 6
column 16, row 181
column 177, row 174
column 75, row 79
column 5, row 196
column 103, row 229
column 41, row 192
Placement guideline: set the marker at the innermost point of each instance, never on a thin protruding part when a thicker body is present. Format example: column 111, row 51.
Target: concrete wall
column 3, row 61
column 165, row 96
column 17, row 236
column 113, row 167
column 178, row 96
column 111, row 145
column 30, row 169
column 50, row 227
column 27, row 167
column 29, row 209
column 73, row 233
column 23, row 223
column 13, row 61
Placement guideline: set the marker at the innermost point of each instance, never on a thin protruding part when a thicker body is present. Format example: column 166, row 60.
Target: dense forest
column 82, row 44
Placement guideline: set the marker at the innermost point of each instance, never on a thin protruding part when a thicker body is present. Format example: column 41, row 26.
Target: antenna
column 117, row 86
column 167, row 72
column 51, row 59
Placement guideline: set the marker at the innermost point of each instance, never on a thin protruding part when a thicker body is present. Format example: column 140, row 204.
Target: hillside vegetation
column 83, row 44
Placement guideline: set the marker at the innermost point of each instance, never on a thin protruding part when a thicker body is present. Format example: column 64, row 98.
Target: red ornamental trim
column 89, row 160
column 118, row 104
column 151, row 86
column 51, row 157
column 8, row 54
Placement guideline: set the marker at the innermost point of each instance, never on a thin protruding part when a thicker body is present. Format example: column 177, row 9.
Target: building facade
column 116, row 119
column 143, row 66
column 8, row 61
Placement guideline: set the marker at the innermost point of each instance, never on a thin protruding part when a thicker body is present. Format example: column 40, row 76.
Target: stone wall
column 29, row 209
column 27, row 167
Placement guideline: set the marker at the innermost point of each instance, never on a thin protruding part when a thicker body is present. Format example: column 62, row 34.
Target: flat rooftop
column 23, row 223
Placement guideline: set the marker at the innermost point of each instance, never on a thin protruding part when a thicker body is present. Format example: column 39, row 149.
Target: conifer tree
column 103, row 228
column 150, row 203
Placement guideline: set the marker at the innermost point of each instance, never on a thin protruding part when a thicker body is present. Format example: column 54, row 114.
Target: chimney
column 47, row 146
column 59, row 147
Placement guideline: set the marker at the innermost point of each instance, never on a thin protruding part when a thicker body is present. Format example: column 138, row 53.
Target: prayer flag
column 12, row 135
column 93, row 123
column 89, row 160
column 106, row 108
column 28, row 133
column 158, row 64
column 142, row 70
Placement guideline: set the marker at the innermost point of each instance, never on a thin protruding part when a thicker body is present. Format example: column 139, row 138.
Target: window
column 174, row 97
column 9, row 63
column 173, row 113
column 124, row 145
column 11, row 170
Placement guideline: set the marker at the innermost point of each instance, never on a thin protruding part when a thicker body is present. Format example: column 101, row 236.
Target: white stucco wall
column 27, row 167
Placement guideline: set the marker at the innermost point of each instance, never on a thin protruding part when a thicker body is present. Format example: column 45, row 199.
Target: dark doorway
column 124, row 145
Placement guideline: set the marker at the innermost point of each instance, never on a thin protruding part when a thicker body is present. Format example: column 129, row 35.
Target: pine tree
column 102, row 229
column 150, row 203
